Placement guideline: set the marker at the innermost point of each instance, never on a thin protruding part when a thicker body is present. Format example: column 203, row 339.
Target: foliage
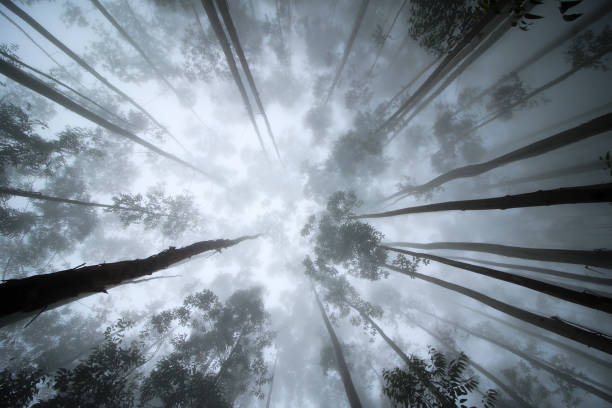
column 18, row 387
column 409, row 266
column 506, row 96
column 433, row 383
column 605, row 159
column 521, row 17
column 588, row 50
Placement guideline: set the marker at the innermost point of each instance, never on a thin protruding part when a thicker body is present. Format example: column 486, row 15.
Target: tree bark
column 600, row 257
column 42, row 31
column 554, row 324
column 536, row 362
column 45, row 90
column 584, row 298
column 211, row 12
column 347, row 48
column 546, row 271
column 554, row 173
column 349, row 388
column 576, row 134
column 20, row 297
column 233, row 33
column 271, row 383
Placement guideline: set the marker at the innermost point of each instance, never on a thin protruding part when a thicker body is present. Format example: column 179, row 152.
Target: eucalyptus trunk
column 20, row 298
column 584, row 298
column 588, row 337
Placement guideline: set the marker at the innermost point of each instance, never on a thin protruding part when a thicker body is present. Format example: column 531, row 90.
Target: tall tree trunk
column 233, row 33
column 211, row 12
column 348, row 47
column 45, row 90
column 536, row 362
column 39, row 196
column 555, row 173
column 386, row 35
column 349, row 388
column 601, row 257
column 271, row 383
column 42, row 31
column 577, row 27
column 554, row 324
column 144, row 56
column 561, row 345
column 228, row 360
column 22, row 297
column 584, row 298
column 567, row 137
column 596, row 193
column 488, row 22
column 546, row 271
column 507, row 389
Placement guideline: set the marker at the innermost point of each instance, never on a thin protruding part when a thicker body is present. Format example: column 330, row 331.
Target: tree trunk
column 491, row 20
column 596, row 193
column 554, row 324
column 22, row 297
column 233, row 33
column 409, row 84
column 45, row 90
column 576, row 134
column 343, row 370
column 555, row 173
column 42, row 31
column 546, row 271
column 539, row 336
column 271, row 383
column 584, row 298
column 507, row 389
column 578, row 26
column 211, row 12
column 600, row 257
column 347, row 49
column 386, row 35
column 536, row 362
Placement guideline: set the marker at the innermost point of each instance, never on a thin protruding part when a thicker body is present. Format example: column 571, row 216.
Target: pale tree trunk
column 271, row 383
column 588, row 337
column 576, row 134
column 536, row 362
column 80, row 61
column 233, row 33
column 45, row 90
column 349, row 388
column 600, row 257
column 583, row 298
column 20, row 298
column 386, row 35
column 552, row 174
column 211, row 12
column 347, row 48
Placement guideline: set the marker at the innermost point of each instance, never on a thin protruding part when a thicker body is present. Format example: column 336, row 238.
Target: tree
column 23, row 297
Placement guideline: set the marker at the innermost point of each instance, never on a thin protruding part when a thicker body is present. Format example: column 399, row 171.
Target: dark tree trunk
column 488, row 22
column 409, row 84
column 584, row 298
column 19, row 297
column 596, row 193
column 600, row 257
column 349, row 388
column 576, row 134
column 42, row 31
column 347, row 49
column 536, row 362
column 507, row 389
column 554, row 324
column 539, row 336
column 546, row 271
column 386, row 338
column 211, row 12
column 45, row 90
column 233, row 33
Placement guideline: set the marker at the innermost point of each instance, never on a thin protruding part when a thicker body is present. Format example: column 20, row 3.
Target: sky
column 294, row 48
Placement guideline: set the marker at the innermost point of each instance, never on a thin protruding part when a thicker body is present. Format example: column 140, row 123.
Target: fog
column 135, row 128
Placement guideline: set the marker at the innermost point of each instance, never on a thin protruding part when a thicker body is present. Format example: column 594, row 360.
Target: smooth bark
column 22, row 297
column 233, row 33
column 586, row 299
column 348, row 47
column 600, row 257
column 45, row 90
column 343, row 370
column 567, row 137
column 588, row 337
column 271, row 383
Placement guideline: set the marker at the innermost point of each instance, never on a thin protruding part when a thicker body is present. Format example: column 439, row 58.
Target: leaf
column 533, row 16
column 570, row 17
column 566, row 5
